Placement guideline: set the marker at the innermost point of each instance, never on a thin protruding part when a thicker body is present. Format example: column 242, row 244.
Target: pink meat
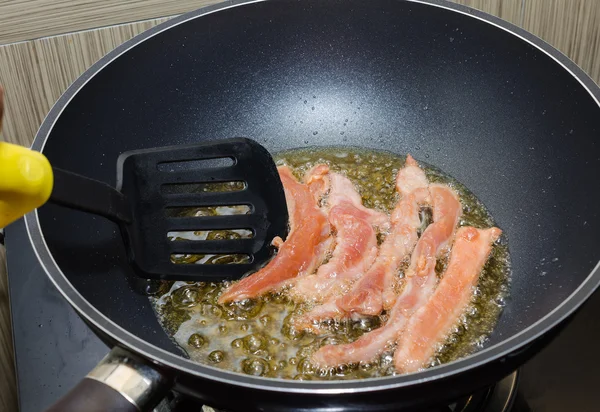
column 318, row 181
column 419, row 285
column 301, row 253
column 343, row 192
column 375, row 290
column 433, row 321
column 355, row 243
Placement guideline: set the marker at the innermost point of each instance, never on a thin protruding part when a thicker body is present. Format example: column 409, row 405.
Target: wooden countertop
column 8, row 389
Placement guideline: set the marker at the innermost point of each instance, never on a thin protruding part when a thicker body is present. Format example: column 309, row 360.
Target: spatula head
column 180, row 199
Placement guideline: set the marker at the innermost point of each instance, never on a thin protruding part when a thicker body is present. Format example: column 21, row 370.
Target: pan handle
column 121, row 382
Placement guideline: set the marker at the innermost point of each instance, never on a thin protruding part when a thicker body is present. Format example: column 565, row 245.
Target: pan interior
column 486, row 107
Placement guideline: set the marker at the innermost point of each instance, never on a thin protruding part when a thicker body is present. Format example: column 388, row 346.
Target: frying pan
column 493, row 106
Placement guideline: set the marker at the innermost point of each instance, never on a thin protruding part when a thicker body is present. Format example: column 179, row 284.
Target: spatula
column 153, row 187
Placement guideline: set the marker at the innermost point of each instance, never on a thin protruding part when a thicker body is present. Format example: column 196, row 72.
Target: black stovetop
column 54, row 348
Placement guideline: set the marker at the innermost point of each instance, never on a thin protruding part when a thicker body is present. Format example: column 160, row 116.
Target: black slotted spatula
column 153, row 184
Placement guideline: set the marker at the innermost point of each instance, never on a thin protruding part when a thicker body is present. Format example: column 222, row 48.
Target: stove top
column 54, row 349
column 502, row 397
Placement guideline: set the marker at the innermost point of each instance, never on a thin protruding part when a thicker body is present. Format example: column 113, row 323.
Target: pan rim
column 179, row 363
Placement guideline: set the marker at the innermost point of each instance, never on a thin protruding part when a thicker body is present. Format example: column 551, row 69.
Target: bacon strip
column 356, row 242
column 317, row 180
column 343, row 192
column 374, row 291
column 354, row 252
column 318, row 184
column 364, row 349
column 432, row 323
column 301, row 253
column 311, row 321
column 419, row 286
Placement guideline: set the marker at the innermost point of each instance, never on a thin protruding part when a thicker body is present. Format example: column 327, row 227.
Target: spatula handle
column 89, row 195
column 27, row 181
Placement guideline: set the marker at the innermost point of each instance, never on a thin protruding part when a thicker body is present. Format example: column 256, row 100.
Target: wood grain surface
column 509, row 10
column 31, row 19
column 35, row 73
column 36, row 66
column 572, row 26
column 8, row 388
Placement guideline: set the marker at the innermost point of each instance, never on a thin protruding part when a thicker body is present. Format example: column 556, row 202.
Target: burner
column 498, row 398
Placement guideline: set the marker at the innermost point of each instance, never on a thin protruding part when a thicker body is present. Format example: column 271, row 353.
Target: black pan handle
column 89, row 195
column 121, row 382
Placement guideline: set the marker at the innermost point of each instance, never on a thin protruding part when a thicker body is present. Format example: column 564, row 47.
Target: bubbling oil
column 255, row 337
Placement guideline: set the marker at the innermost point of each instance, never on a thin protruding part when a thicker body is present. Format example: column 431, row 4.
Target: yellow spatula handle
column 26, row 181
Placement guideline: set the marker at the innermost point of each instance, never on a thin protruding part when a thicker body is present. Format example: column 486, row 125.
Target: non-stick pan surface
column 496, row 108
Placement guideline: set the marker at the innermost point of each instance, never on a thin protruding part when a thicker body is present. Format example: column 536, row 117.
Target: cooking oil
column 255, row 336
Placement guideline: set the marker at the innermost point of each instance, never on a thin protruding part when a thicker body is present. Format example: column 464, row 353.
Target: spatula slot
column 176, row 188
column 195, row 164
column 178, row 224
column 203, row 206
column 208, row 211
column 209, row 235
column 211, row 259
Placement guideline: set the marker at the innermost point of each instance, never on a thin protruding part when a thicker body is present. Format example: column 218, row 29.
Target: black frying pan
column 495, row 107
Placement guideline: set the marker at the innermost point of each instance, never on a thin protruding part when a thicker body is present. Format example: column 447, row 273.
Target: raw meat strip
column 301, row 253
column 419, row 285
column 374, row 291
column 432, row 323
column 355, row 242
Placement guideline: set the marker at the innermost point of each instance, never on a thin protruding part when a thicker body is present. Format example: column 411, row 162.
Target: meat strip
column 301, row 253
column 428, row 328
column 374, row 291
column 418, row 287
column 355, row 242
